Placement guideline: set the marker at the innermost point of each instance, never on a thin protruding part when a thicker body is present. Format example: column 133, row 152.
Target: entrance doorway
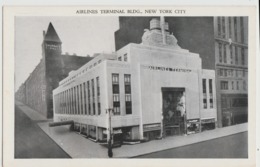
column 173, row 111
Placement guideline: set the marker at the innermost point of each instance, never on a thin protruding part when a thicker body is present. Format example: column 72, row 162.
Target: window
column 244, row 85
column 89, row 105
column 232, row 85
column 223, row 28
column 242, row 56
column 119, row 58
column 224, row 85
column 229, row 27
column 220, row 52
column 125, row 57
column 78, row 99
column 236, row 56
column 231, row 54
column 210, row 93
column 237, row 85
column 98, row 95
column 204, row 88
column 225, row 72
column 128, row 101
column 225, row 54
column 235, row 28
column 93, row 96
column 81, row 100
column 115, row 90
column 219, row 26
column 242, row 29
column 85, row 98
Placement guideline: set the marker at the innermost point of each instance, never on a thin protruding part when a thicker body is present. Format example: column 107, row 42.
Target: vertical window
column 244, row 73
column 128, row 100
column 232, row 85
column 236, row 56
column 125, row 57
column 71, row 109
column 229, row 28
column 116, row 98
column 235, row 28
column 220, row 52
column 85, row 98
column 219, row 26
column 242, row 56
column 244, row 85
column 225, row 54
column 224, row 85
column 231, row 54
column 93, row 96
column 242, row 29
column 78, row 100
column 237, row 85
column 81, row 99
column 225, row 72
column 89, row 105
column 210, row 93
column 98, row 95
column 204, row 88
column 223, row 28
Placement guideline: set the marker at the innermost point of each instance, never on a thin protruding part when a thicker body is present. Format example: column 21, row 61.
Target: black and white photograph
column 139, row 87
column 105, row 85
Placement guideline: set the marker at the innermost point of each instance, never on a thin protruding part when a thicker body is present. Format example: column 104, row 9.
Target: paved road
column 31, row 141
column 234, row 146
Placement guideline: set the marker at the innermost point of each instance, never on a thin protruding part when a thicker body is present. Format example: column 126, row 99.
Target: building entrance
column 173, row 111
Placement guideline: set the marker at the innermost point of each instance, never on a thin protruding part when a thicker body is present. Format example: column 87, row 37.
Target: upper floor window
column 125, row 57
column 116, row 95
column 224, row 85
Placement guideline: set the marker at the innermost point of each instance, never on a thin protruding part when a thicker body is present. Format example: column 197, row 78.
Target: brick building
column 36, row 91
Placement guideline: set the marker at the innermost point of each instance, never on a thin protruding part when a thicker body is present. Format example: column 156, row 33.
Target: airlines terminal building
column 156, row 89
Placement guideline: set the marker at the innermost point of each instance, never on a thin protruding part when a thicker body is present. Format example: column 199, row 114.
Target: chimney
column 43, row 33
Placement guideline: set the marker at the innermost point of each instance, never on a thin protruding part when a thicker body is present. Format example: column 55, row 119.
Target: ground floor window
column 234, row 108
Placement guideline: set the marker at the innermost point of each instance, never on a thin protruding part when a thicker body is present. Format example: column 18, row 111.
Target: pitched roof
column 51, row 34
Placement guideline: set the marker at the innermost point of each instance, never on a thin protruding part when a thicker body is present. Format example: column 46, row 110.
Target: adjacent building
column 155, row 89
column 231, row 55
column 36, row 91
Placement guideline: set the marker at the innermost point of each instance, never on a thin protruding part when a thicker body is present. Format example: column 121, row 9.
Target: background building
column 231, row 55
column 36, row 91
column 221, row 42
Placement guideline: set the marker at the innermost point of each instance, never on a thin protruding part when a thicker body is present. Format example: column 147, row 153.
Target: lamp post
column 110, row 152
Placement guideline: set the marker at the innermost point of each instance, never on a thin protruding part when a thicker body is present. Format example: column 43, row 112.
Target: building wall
column 33, row 91
column 53, row 67
column 231, row 43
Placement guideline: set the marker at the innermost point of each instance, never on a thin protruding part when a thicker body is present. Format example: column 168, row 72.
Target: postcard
column 129, row 86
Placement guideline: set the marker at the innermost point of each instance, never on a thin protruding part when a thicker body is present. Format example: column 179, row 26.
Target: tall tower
column 54, row 65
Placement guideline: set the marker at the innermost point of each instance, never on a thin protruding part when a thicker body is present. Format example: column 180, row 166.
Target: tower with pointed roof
column 54, row 65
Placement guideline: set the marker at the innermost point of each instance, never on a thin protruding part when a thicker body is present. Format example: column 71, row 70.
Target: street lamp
column 110, row 152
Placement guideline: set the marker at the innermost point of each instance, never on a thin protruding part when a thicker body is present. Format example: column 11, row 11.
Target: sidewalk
column 32, row 114
column 78, row 146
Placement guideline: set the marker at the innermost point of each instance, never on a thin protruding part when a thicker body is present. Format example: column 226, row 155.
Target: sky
column 81, row 35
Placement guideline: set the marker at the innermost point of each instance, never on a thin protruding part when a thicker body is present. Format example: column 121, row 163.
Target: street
column 233, row 146
column 31, row 141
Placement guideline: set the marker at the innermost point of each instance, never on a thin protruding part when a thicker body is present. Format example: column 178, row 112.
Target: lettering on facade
column 170, row 69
